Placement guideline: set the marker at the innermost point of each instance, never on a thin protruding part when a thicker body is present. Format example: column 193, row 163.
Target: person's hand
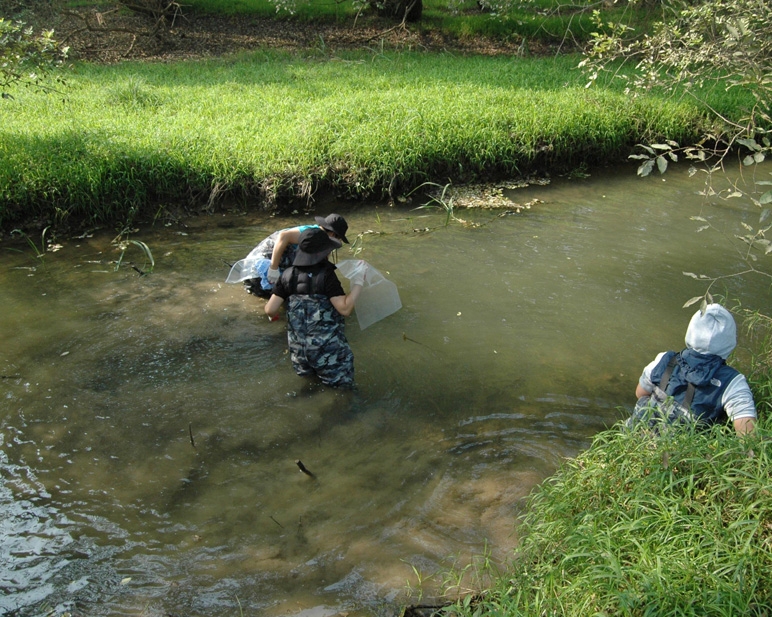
column 359, row 277
column 273, row 275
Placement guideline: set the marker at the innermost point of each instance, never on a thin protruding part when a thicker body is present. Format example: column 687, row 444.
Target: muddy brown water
column 150, row 426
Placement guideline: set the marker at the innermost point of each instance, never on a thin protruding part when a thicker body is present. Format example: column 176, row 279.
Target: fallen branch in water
column 302, row 468
column 405, row 337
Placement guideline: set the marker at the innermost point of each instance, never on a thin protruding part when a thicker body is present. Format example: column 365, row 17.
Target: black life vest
column 307, row 280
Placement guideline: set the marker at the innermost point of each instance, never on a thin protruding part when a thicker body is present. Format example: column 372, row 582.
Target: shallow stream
column 150, row 425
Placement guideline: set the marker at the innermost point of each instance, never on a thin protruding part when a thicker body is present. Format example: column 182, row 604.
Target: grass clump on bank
column 271, row 128
column 640, row 525
column 678, row 523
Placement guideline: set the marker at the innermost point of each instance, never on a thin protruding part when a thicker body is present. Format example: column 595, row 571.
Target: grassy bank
column 268, row 129
column 639, row 524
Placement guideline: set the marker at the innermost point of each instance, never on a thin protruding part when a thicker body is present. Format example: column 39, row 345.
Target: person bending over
column 263, row 266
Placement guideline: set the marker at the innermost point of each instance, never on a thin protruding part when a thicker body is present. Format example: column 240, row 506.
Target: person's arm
column 645, row 386
column 345, row 304
column 284, row 239
column 273, row 305
column 640, row 391
column 739, row 405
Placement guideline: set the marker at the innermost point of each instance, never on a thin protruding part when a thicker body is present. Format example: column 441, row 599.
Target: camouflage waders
column 317, row 343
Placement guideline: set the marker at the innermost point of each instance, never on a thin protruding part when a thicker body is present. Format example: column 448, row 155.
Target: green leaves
column 692, row 47
column 123, row 245
column 704, row 301
column 757, row 154
column 26, row 58
column 659, row 154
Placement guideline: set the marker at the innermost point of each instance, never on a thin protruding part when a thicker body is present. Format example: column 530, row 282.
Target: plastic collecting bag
column 379, row 297
column 241, row 271
column 250, row 266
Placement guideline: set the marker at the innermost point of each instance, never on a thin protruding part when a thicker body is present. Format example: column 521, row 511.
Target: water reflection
column 150, row 425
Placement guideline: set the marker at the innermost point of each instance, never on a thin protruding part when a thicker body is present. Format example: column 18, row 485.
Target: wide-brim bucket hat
column 314, row 246
column 334, row 223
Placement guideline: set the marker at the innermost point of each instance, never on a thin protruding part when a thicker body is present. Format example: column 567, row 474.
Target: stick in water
column 405, row 337
column 302, row 468
column 190, row 430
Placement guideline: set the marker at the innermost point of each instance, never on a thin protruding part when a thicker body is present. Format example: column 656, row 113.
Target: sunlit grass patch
column 269, row 127
column 133, row 93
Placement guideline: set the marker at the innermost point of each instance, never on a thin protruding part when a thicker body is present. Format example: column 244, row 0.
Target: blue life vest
column 709, row 376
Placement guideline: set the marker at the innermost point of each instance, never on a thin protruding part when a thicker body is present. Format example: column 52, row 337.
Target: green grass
column 262, row 128
column 675, row 524
column 758, row 327
column 644, row 525
column 121, row 143
column 321, row 10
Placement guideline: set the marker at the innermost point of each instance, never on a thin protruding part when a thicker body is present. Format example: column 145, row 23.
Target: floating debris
column 518, row 208
column 491, row 196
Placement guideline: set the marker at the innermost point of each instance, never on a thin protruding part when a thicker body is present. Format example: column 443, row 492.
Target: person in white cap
column 696, row 383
